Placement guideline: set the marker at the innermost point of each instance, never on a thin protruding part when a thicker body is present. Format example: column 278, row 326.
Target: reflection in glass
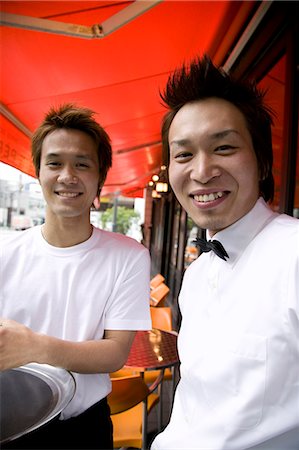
column 191, row 251
column 274, row 84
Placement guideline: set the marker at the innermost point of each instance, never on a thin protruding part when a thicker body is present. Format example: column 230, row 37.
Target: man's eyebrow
column 59, row 155
column 213, row 137
column 83, row 156
column 180, row 142
column 51, row 155
column 224, row 133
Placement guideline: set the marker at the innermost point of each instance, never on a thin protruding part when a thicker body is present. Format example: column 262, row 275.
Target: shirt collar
column 237, row 236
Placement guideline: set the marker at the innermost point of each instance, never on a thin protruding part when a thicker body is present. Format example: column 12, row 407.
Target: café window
column 175, row 235
column 191, row 251
column 274, row 84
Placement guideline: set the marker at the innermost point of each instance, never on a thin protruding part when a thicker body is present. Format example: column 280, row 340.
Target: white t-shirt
column 239, row 341
column 76, row 293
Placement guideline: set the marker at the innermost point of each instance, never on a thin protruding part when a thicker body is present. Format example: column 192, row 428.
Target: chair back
column 127, row 392
column 130, row 403
column 161, row 318
column 156, row 280
column 159, row 294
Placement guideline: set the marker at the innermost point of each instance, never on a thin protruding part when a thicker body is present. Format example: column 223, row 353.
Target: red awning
column 119, row 75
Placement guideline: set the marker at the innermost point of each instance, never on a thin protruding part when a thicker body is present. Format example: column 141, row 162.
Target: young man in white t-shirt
column 72, row 296
column 238, row 341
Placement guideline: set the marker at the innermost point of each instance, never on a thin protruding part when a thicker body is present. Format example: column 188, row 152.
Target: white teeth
column 208, row 197
column 68, row 194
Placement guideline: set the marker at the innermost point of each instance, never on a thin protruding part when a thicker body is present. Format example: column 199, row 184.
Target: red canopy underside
column 118, row 76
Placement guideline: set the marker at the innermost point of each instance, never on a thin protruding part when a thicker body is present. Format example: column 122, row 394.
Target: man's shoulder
column 285, row 224
column 17, row 238
column 281, row 235
column 119, row 241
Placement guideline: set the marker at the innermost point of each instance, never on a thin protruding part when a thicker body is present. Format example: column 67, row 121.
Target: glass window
column 175, row 235
column 191, row 251
column 274, row 84
column 296, row 205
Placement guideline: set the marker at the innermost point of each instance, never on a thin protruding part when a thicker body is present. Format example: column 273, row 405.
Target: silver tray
column 31, row 396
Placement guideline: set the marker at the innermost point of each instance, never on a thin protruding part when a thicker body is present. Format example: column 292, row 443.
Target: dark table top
column 152, row 350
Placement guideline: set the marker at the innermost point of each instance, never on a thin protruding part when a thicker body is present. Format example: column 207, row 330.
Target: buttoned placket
column 213, row 307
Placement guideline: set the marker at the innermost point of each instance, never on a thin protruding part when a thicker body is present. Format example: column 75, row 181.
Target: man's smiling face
column 69, row 173
column 213, row 168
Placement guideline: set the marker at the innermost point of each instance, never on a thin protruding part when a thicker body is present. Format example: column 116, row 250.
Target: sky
column 11, row 174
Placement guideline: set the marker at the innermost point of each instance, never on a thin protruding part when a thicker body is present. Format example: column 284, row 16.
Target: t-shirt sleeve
column 128, row 306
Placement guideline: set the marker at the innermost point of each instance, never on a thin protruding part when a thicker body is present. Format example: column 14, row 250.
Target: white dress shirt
column 239, row 341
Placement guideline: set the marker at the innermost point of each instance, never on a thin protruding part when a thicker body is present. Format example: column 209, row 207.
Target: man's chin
column 214, row 224
column 68, row 213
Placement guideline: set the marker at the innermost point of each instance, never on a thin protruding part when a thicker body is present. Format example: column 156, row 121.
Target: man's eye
column 183, row 155
column 53, row 163
column 83, row 165
column 225, row 149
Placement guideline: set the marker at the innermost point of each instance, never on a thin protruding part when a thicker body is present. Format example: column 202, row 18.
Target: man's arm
column 19, row 346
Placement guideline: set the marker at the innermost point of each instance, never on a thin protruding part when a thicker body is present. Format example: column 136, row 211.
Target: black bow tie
column 216, row 246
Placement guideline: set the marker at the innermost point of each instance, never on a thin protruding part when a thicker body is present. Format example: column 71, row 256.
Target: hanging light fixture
column 155, row 194
column 162, row 187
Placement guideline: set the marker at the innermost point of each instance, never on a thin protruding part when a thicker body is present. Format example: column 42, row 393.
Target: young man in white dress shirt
column 239, row 338
column 72, row 295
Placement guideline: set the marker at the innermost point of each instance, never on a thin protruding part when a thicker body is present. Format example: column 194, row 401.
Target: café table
column 31, row 396
column 153, row 350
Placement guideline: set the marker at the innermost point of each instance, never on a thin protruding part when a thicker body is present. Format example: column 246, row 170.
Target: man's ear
column 97, row 202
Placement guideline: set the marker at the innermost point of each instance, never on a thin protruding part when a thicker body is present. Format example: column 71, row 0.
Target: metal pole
column 115, row 204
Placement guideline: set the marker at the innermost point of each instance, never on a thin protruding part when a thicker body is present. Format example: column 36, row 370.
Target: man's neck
column 66, row 232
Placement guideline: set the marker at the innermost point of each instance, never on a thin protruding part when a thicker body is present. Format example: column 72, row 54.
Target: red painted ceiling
column 118, row 76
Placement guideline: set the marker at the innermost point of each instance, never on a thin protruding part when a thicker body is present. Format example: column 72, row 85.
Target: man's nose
column 204, row 168
column 67, row 176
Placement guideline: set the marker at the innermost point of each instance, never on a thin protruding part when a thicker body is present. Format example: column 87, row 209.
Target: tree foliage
column 125, row 218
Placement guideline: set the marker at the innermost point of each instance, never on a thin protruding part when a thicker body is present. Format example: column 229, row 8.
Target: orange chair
column 158, row 295
column 161, row 318
column 156, row 280
column 130, row 401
